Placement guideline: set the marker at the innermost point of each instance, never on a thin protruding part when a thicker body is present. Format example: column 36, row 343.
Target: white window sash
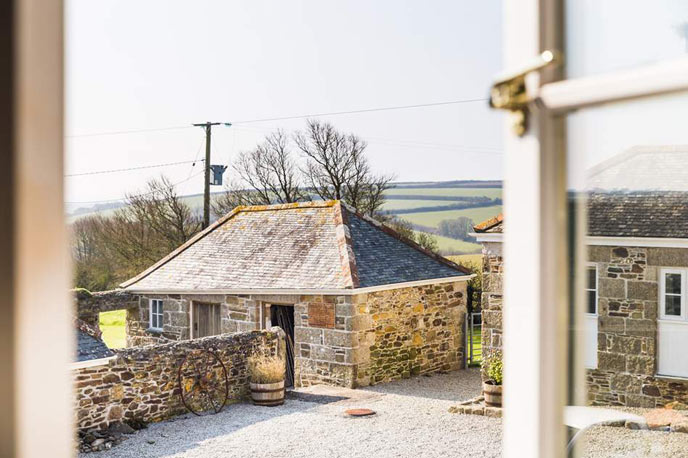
column 663, row 294
column 155, row 314
column 595, row 289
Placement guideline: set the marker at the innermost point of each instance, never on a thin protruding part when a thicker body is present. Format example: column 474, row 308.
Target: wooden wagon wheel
column 203, row 382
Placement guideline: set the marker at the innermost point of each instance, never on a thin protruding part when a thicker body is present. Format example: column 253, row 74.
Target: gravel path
column 412, row 421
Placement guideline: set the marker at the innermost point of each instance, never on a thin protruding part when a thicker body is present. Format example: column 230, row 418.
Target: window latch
column 510, row 93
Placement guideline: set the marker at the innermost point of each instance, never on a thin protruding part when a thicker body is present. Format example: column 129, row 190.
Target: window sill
column 154, row 330
column 672, row 377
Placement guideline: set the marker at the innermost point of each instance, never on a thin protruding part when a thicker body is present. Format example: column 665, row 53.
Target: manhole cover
column 359, row 412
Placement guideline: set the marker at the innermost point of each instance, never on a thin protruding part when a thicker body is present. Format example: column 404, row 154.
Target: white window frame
column 596, row 289
column 152, row 314
column 537, row 261
column 662, row 294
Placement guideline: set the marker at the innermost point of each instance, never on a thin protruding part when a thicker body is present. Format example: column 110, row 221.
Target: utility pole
column 206, row 186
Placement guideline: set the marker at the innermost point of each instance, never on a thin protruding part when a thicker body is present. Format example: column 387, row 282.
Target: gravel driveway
column 412, row 421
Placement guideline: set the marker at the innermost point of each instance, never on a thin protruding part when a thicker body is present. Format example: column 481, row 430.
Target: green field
column 112, row 324
column 391, row 205
column 492, row 193
column 467, row 259
column 448, row 245
column 433, row 219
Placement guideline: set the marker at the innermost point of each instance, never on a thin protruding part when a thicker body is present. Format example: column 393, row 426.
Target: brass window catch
column 509, row 92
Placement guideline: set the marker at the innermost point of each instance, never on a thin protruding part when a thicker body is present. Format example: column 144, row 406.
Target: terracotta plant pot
column 492, row 393
column 267, row 394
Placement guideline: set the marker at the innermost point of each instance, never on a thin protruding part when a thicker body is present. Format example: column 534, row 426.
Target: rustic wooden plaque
column 321, row 315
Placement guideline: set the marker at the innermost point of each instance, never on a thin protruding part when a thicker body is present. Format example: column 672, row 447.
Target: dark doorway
column 283, row 316
column 206, row 320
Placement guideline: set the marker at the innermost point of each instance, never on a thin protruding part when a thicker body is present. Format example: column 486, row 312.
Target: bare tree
column 232, row 197
column 336, row 167
column 270, row 172
column 108, row 250
column 162, row 210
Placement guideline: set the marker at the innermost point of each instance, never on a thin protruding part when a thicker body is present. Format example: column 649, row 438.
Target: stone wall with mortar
column 325, row 354
column 238, row 314
column 409, row 331
column 321, row 354
column 141, row 383
column 627, row 324
column 628, row 290
column 491, row 298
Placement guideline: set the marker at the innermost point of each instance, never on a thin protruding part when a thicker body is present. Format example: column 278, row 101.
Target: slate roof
column 642, row 169
column 89, row 344
column 313, row 245
column 618, row 214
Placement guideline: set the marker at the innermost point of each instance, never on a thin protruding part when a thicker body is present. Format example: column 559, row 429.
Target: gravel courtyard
column 412, row 421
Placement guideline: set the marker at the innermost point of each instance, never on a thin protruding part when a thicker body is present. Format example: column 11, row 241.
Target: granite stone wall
column 628, row 281
column 409, row 331
column 627, row 324
column 491, row 298
column 338, row 340
column 324, row 352
column 238, row 314
column 142, row 383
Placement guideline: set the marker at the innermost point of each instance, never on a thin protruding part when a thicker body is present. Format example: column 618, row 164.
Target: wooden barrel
column 267, row 394
column 493, row 394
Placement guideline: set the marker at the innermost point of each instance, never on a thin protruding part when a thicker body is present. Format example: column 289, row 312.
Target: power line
column 284, row 118
column 133, row 131
column 99, row 172
column 137, row 195
column 365, row 110
column 407, row 143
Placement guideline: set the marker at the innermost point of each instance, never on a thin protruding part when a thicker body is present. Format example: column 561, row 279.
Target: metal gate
column 474, row 347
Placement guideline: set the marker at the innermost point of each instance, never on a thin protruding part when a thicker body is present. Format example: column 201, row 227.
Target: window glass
column 156, row 314
column 672, row 294
column 610, row 35
column 672, row 305
column 592, row 290
column 673, row 283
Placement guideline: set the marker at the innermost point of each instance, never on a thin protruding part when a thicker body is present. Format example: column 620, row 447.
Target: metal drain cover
column 359, row 412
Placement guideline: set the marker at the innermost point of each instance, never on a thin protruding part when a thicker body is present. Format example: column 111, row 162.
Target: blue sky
column 154, row 64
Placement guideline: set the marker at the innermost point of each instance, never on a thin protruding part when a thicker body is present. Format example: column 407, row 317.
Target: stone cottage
column 359, row 303
column 636, row 323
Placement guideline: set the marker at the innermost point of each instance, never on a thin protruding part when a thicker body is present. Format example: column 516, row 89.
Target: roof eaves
column 389, row 231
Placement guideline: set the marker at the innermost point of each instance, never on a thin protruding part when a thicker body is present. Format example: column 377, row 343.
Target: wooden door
column 206, row 320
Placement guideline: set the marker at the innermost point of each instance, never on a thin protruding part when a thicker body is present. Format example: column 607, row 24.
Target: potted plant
column 267, row 380
column 492, row 385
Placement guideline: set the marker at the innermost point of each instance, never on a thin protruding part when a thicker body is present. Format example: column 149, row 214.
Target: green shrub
column 492, row 367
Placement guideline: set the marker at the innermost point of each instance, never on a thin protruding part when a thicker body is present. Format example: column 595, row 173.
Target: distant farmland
column 425, row 196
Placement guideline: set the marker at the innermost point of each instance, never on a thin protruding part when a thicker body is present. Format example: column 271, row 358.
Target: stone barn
column 359, row 303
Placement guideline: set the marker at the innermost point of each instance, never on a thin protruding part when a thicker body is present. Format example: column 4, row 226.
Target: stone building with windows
column 636, row 322
column 359, row 303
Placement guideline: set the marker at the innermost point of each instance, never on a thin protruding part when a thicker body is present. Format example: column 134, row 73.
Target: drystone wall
column 627, row 328
column 409, row 331
column 142, row 383
column 89, row 305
